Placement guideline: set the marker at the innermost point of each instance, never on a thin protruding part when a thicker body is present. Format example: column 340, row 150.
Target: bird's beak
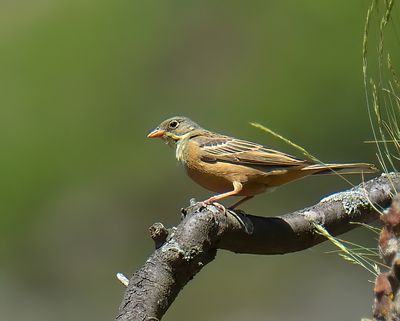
column 156, row 133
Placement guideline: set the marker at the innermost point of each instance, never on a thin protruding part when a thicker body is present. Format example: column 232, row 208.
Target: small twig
column 123, row 279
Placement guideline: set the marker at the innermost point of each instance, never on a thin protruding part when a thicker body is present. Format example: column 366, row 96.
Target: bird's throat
column 180, row 147
column 179, row 150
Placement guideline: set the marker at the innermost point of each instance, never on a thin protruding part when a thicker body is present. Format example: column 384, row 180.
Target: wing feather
column 232, row 150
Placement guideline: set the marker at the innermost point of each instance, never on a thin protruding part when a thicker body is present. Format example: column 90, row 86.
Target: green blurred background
column 82, row 83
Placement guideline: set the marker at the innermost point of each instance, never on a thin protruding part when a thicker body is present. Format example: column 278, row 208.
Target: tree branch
column 183, row 251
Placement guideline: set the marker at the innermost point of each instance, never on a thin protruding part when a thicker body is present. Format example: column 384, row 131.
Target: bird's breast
column 210, row 180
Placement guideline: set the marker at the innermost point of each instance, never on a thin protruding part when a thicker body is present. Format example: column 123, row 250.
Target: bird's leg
column 244, row 199
column 237, row 187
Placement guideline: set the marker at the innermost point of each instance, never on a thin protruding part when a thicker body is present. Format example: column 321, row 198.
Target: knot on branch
column 158, row 233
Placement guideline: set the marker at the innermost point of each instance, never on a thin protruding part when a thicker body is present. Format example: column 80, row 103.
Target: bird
column 234, row 167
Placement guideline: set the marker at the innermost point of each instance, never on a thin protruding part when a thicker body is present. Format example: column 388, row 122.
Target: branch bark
column 183, row 251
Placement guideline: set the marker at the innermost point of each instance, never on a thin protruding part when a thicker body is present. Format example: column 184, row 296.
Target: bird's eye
column 173, row 124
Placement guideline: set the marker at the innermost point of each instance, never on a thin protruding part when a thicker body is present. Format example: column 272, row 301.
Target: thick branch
column 203, row 230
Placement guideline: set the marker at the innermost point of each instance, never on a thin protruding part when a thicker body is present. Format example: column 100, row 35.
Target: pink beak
column 156, row 133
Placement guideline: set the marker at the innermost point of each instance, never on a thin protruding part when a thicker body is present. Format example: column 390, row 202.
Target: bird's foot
column 212, row 201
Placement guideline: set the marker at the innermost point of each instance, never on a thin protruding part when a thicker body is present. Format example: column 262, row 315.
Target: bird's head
column 174, row 129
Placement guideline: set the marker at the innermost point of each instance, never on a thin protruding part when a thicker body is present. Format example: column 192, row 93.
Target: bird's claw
column 215, row 204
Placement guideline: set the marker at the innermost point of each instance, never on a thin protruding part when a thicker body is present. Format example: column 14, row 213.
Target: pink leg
column 237, row 187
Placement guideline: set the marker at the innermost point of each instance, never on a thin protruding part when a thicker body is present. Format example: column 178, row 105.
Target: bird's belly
column 209, row 181
column 221, row 180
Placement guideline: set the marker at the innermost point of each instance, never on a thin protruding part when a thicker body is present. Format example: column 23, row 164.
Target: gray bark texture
column 181, row 252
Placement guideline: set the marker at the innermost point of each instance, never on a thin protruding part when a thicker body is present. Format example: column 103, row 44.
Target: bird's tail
column 356, row 168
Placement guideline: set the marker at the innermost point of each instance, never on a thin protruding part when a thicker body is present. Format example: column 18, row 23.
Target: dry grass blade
column 349, row 254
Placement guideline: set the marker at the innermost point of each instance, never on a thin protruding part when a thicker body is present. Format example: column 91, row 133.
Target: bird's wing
column 232, row 150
